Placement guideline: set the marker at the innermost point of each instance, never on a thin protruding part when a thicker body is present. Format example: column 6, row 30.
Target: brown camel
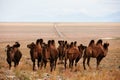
column 36, row 52
column 13, row 54
column 61, row 49
column 45, row 55
column 53, row 54
column 97, row 51
column 73, row 53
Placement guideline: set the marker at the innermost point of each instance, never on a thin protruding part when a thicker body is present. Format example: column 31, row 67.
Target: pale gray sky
column 59, row 10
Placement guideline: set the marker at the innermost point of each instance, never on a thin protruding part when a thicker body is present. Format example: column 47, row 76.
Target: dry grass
column 109, row 67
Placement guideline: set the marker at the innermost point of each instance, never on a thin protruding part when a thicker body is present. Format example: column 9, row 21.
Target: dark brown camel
column 36, row 52
column 61, row 49
column 73, row 53
column 97, row 51
column 45, row 55
column 53, row 54
column 13, row 54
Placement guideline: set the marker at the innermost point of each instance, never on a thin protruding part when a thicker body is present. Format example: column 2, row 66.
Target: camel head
column 106, row 45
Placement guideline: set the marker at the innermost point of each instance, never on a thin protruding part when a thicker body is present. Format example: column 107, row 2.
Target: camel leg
column 10, row 65
column 34, row 65
column 45, row 64
column 59, row 56
column 65, row 63
column 84, row 59
column 88, row 62
column 98, row 62
column 9, row 62
column 38, row 63
column 15, row 64
column 51, row 65
column 76, row 61
column 72, row 64
column 60, row 59
column 55, row 64
column 42, row 62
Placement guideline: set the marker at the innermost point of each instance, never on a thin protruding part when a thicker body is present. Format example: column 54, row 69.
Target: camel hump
column 99, row 42
column 39, row 41
column 17, row 44
column 91, row 43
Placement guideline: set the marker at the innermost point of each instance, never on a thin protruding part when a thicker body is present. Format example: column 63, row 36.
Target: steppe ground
column 26, row 33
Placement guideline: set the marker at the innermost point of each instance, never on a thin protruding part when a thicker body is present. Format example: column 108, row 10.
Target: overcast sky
column 59, row 10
